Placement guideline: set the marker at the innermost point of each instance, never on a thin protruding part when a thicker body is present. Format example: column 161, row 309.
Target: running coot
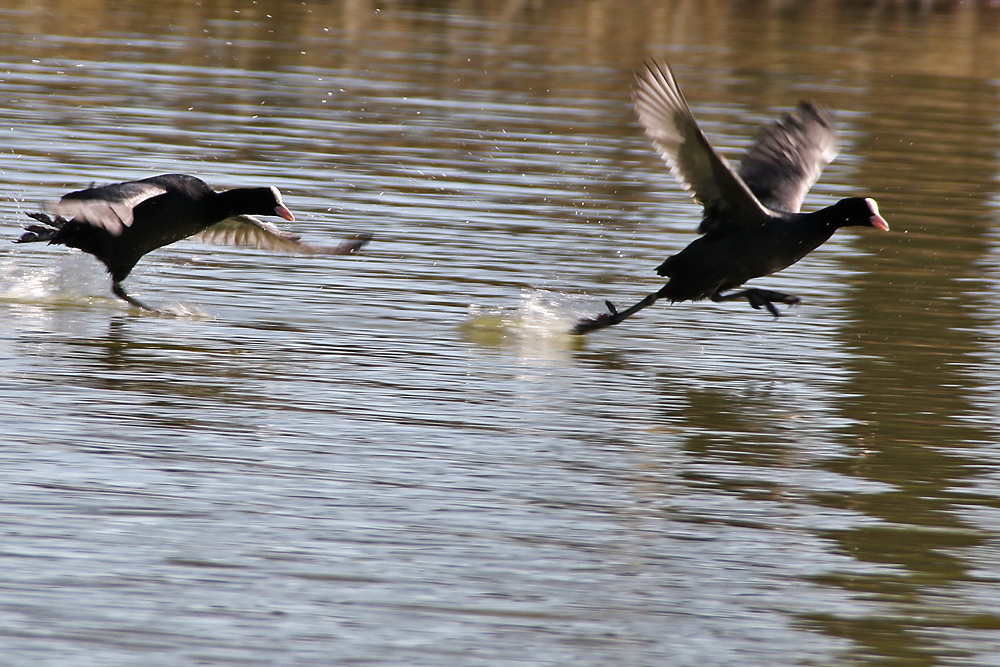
column 751, row 225
column 121, row 222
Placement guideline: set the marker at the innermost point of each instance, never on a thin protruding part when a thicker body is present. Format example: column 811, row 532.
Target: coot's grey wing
column 672, row 128
column 109, row 206
column 247, row 230
column 789, row 156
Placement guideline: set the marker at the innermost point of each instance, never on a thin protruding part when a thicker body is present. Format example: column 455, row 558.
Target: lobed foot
column 613, row 316
column 119, row 291
column 761, row 298
column 603, row 320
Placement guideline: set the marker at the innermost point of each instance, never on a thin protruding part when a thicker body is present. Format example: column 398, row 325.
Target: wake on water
column 541, row 317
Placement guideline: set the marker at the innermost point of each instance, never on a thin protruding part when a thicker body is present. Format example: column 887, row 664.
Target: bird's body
column 720, row 261
column 150, row 214
column 120, row 223
column 751, row 225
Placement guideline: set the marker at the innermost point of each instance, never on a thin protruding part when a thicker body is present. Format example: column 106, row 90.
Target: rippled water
column 400, row 457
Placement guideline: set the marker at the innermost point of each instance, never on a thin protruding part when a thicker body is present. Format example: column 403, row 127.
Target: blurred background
column 400, row 457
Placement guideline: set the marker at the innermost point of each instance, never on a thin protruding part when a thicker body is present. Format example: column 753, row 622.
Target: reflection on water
column 400, row 457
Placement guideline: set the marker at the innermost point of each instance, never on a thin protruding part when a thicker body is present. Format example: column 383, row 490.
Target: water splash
column 541, row 322
column 74, row 280
column 70, row 279
column 181, row 310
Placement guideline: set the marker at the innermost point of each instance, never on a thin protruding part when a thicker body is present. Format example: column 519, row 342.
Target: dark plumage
column 751, row 225
column 121, row 222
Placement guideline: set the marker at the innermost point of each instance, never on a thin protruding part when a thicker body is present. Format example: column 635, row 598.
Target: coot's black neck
column 244, row 201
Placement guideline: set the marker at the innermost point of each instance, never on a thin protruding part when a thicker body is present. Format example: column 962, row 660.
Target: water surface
column 400, row 457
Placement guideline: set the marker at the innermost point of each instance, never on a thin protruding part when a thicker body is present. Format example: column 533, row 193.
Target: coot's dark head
column 256, row 201
column 858, row 212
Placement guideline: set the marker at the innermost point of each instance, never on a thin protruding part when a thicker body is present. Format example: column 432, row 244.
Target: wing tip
column 656, row 72
column 816, row 110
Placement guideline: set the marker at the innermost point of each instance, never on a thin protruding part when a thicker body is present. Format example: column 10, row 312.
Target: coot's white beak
column 281, row 209
column 878, row 222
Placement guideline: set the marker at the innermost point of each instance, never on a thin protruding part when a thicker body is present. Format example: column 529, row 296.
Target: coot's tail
column 44, row 232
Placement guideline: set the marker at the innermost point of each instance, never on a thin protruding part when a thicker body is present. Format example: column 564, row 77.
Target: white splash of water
column 539, row 326
column 183, row 310
column 71, row 279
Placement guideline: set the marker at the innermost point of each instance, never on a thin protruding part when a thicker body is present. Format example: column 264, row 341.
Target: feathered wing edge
column 247, row 230
column 674, row 132
column 109, row 207
column 789, row 156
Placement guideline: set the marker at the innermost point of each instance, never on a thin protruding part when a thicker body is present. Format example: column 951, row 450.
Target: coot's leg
column 613, row 316
column 119, row 291
column 760, row 297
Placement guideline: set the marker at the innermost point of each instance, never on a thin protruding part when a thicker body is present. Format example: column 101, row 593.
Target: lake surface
column 400, row 457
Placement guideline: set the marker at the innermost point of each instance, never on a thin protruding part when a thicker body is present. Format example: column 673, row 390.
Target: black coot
column 751, row 225
column 121, row 222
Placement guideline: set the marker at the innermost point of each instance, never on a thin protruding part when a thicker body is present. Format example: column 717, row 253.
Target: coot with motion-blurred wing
column 751, row 225
column 121, row 222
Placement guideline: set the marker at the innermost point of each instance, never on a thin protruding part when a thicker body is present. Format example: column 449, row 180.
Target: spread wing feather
column 247, row 230
column 789, row 156
column 670, row 125
column 108, row 207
